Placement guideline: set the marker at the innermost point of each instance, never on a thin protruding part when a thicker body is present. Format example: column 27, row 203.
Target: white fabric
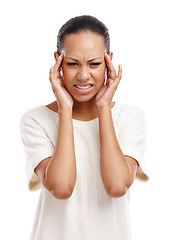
column 89, row 214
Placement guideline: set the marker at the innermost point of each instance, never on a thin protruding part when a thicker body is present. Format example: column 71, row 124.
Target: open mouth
column 83, row 88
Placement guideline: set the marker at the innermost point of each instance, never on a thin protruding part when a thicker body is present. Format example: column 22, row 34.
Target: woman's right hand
column 64, row 99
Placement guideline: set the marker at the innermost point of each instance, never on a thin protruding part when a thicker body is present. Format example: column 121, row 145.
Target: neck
column 85, row 110
column 81, row 111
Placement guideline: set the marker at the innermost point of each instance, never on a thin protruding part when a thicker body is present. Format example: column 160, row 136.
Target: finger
column 114, row 83
column 51, row 73
column 53, row 77
column 120, row 71
column 58, row 62
column 110, row 67
column 101, row 91
column 119, row 76
column 56, row 68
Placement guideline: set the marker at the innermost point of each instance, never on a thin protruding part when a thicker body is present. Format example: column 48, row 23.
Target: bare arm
column 58, row 173
column 117, row 171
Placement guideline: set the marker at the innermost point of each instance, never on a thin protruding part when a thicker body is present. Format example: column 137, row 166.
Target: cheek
column 67, row 75
column 100, row 75
column 68, row 78
column 102, row 70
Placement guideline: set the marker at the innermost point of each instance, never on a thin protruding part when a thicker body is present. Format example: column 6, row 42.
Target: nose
column 83, row 74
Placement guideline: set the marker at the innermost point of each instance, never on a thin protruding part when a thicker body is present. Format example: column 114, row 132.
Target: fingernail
column 59, row 57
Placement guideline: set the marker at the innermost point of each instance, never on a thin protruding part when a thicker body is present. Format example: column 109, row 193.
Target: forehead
column 84, row 44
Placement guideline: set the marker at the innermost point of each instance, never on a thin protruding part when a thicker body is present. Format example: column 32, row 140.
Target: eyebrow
column 76, row 60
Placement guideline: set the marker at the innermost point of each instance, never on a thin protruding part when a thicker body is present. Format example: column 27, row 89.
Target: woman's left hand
column 106, row 93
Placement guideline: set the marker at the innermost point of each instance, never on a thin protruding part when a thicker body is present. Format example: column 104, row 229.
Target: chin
column 84, row 98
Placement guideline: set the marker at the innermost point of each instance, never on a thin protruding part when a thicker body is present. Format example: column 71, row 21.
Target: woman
column 83, row 150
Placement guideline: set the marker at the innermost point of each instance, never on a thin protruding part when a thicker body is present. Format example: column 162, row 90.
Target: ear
column 111, row 55
column 56, row 56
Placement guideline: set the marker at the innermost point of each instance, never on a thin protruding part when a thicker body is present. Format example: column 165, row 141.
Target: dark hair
column 80, row 24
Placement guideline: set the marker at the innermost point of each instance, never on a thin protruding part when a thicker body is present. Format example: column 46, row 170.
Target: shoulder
column 125, row 114
column 40, row 115
column 34, row 113
column 125, row 108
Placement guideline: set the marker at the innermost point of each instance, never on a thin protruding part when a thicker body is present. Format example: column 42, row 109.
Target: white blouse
column 89, row 214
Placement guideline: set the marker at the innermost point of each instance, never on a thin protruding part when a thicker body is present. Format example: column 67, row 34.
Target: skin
column 84, row 62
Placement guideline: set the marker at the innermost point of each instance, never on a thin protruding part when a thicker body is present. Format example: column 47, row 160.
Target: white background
column 141, row 39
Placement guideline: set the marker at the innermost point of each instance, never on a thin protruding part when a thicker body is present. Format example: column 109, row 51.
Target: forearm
column 115, row 170
column 60, row 174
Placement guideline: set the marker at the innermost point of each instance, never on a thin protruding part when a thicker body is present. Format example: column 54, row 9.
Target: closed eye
column 96, row 64
column 72, row 64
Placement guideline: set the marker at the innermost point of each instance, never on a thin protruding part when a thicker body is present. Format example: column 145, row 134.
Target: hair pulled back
column 80, row 24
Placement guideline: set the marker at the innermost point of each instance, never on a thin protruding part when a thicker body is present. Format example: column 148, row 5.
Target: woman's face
column 83, row 65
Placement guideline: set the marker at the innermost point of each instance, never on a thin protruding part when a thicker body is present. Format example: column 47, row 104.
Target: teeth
column 81, row 87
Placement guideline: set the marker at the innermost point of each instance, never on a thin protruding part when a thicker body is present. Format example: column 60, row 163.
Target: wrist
column 101, row 105
column 62, row 108
column 65, row 112
column 103, row 110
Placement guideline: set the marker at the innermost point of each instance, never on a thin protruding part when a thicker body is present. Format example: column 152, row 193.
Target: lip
column 84, row 88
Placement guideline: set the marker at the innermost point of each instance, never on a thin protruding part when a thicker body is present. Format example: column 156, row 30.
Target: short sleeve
column 133, row 139
column 37, row 147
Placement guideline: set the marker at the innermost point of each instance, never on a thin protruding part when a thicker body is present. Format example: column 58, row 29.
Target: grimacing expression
column 83, row 66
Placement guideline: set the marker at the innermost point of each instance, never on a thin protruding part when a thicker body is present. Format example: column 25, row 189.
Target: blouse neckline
column 76, row 120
